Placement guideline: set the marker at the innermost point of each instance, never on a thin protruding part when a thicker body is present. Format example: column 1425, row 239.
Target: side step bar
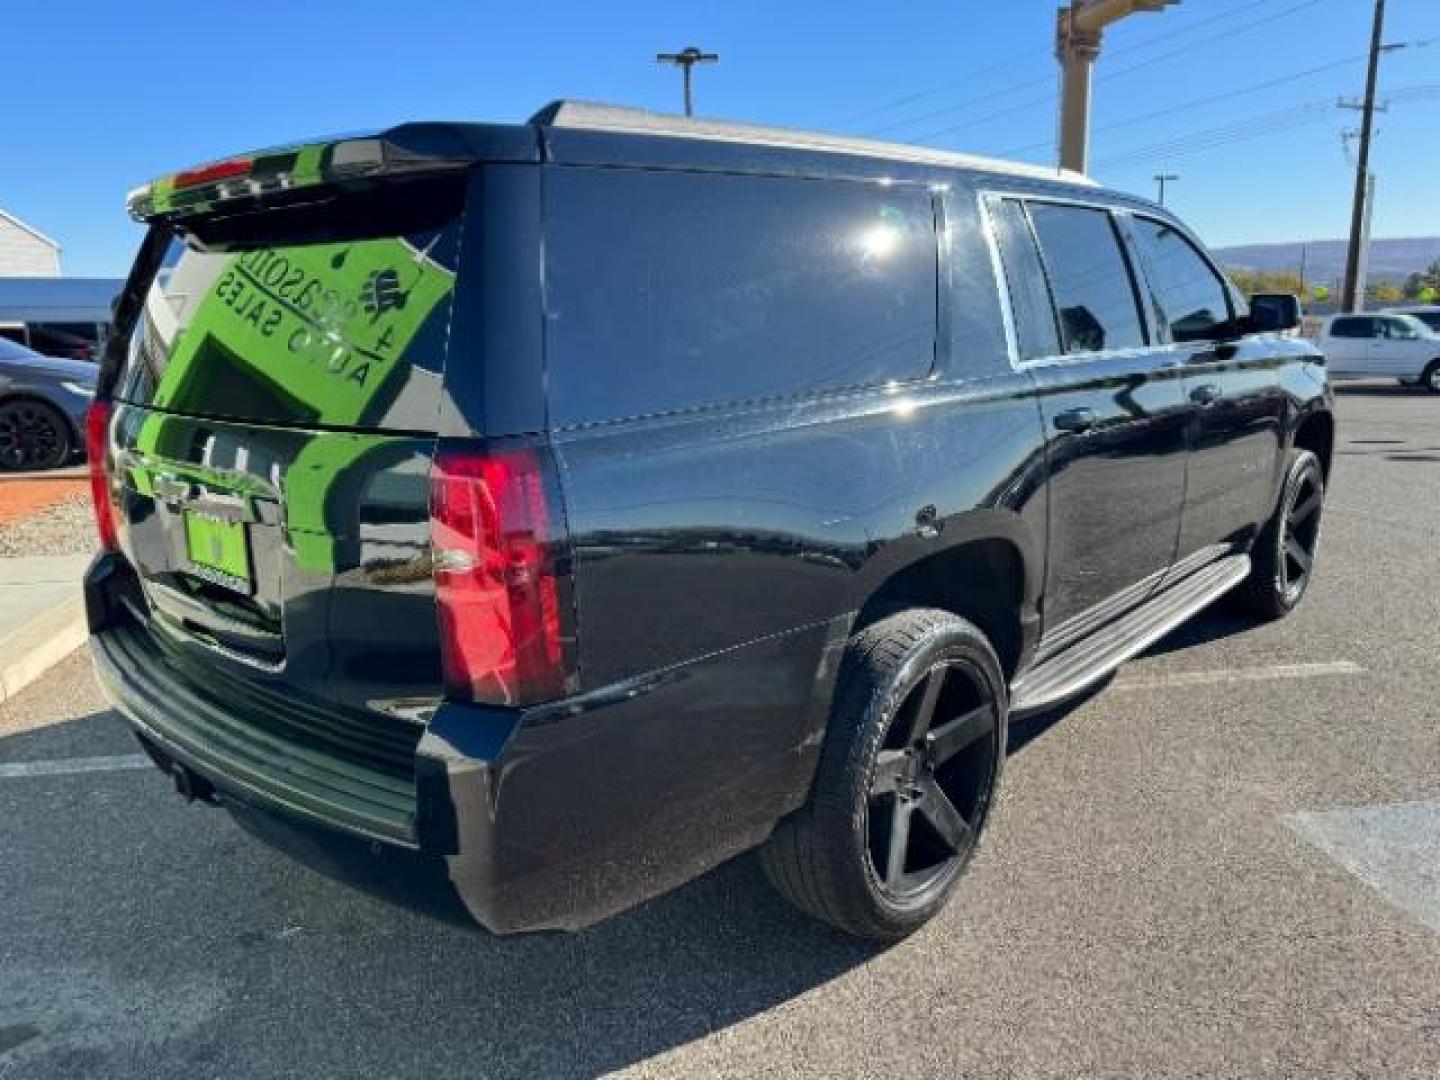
column 1092, row 658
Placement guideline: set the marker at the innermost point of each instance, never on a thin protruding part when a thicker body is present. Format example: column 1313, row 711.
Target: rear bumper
column 550, row 818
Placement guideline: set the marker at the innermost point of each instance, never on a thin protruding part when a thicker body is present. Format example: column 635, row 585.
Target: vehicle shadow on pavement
column 1386, row 389
column 306, row 976
column 1211, row 625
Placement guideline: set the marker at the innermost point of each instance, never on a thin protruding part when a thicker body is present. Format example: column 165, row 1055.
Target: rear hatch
column 273, row 431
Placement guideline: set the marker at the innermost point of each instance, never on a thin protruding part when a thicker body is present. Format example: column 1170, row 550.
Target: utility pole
column 1161, row 179
column 686, row 59
column 1079, row 28
column 1350, row 298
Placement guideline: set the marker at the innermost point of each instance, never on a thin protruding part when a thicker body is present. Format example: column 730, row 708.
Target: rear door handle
column 1205, row 393
column 1076, row 420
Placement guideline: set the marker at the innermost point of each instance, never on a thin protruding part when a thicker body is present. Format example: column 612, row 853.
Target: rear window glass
column 329, row 315
column 668, row 290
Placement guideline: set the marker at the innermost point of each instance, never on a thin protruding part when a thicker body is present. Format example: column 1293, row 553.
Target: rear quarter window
column 672, row 290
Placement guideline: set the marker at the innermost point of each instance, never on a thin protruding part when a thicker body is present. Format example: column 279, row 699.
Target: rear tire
column 33, row 435
column 906, row 778
column 1283, row 557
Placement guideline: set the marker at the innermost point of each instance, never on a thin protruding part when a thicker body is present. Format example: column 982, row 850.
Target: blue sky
column 106, row 95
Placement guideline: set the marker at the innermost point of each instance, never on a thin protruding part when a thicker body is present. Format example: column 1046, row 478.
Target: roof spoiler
column 250, row 179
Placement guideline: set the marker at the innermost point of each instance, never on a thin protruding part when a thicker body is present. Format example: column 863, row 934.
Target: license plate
column 219, row 551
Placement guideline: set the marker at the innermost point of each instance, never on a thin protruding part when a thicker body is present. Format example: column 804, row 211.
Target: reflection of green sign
column 313, row 334
column 317, row 330
column 1322, row 293
column 1428, row 295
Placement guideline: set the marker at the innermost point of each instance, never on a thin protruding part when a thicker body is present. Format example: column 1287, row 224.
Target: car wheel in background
column 1430, row 380
column 906, row 778
column 33, row 435
column 1284, row 553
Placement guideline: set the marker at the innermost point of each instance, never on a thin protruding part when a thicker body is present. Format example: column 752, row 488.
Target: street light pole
column 1078, row 31
column 1161, row 179
column 686, row 59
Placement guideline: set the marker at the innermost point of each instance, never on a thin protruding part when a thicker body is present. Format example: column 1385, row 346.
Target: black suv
column 521, row 520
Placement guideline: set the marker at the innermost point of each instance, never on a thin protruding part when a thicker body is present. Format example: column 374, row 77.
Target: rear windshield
column 330, row 314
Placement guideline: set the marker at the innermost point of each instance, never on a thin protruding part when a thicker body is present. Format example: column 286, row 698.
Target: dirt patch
column 25, row 496
column 63, row 528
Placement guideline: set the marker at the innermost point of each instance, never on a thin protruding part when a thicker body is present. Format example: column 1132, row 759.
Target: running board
column 1092, row 658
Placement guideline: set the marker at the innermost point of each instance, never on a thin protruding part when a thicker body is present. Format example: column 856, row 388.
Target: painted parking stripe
column 9, row 770
column 1394, row 848
column 1237, row 675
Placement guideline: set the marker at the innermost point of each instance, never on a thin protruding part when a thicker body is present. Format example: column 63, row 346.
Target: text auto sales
column 263, row 287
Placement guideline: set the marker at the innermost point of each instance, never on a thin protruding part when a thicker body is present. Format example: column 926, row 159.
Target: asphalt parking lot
column 1224, row 863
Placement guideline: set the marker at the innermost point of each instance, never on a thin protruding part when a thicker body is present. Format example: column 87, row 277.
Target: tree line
column 1422, row 287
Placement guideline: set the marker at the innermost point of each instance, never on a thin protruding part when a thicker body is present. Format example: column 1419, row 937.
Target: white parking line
column 1393, row 847
column 1236, row 675
column 68, row 766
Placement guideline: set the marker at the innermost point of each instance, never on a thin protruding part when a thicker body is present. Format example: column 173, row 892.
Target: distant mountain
column 1390, row 260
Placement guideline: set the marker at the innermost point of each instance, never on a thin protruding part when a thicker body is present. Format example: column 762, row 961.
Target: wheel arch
column 988, row 572
column 1316, row 432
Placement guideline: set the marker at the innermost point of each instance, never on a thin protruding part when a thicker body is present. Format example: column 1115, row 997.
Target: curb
column 41, row 644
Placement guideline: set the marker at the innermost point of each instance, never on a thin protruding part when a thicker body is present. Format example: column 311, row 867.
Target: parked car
column 43, row 402
column 1382, row 345
column 1429, row 314
column 521, row 520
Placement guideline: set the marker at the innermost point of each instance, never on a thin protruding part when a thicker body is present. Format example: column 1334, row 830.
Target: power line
column 1195, row 103
column 1049, row 79
column 1047, row 99
column 1257, row 126
column 919, row 95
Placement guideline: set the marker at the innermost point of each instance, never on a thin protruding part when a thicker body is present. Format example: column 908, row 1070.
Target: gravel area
column 64, row 529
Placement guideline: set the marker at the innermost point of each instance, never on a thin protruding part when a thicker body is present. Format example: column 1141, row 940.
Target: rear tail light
column 497, row 534
column 97, row 451
column 228, row 169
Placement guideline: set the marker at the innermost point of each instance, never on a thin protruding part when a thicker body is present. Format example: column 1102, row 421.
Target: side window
column 671, row 290
column 1192, row 297
column 1035, row 332
column 1352, row 328
column 1399, row 330
column 1089, row 278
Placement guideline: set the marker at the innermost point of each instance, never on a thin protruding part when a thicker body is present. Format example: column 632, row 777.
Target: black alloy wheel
column 906, row 778
column 33, row 435
column 1300, row 531
column 931, row 782
column 1284, row 553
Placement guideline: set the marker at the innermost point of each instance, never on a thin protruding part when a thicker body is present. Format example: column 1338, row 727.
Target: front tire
column 1430, row 379
column 906, row 778
column 1283, row 558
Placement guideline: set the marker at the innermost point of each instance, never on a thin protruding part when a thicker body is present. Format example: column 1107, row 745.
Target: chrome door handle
column 1205, row 393
column 1075, row 420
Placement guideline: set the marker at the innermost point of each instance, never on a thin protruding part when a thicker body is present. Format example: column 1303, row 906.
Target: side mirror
column 1274, row 312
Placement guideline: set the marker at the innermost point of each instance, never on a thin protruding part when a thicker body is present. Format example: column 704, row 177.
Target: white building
column 26, row 252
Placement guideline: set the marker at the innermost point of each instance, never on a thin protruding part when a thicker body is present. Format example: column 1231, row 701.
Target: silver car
column 43, row 401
